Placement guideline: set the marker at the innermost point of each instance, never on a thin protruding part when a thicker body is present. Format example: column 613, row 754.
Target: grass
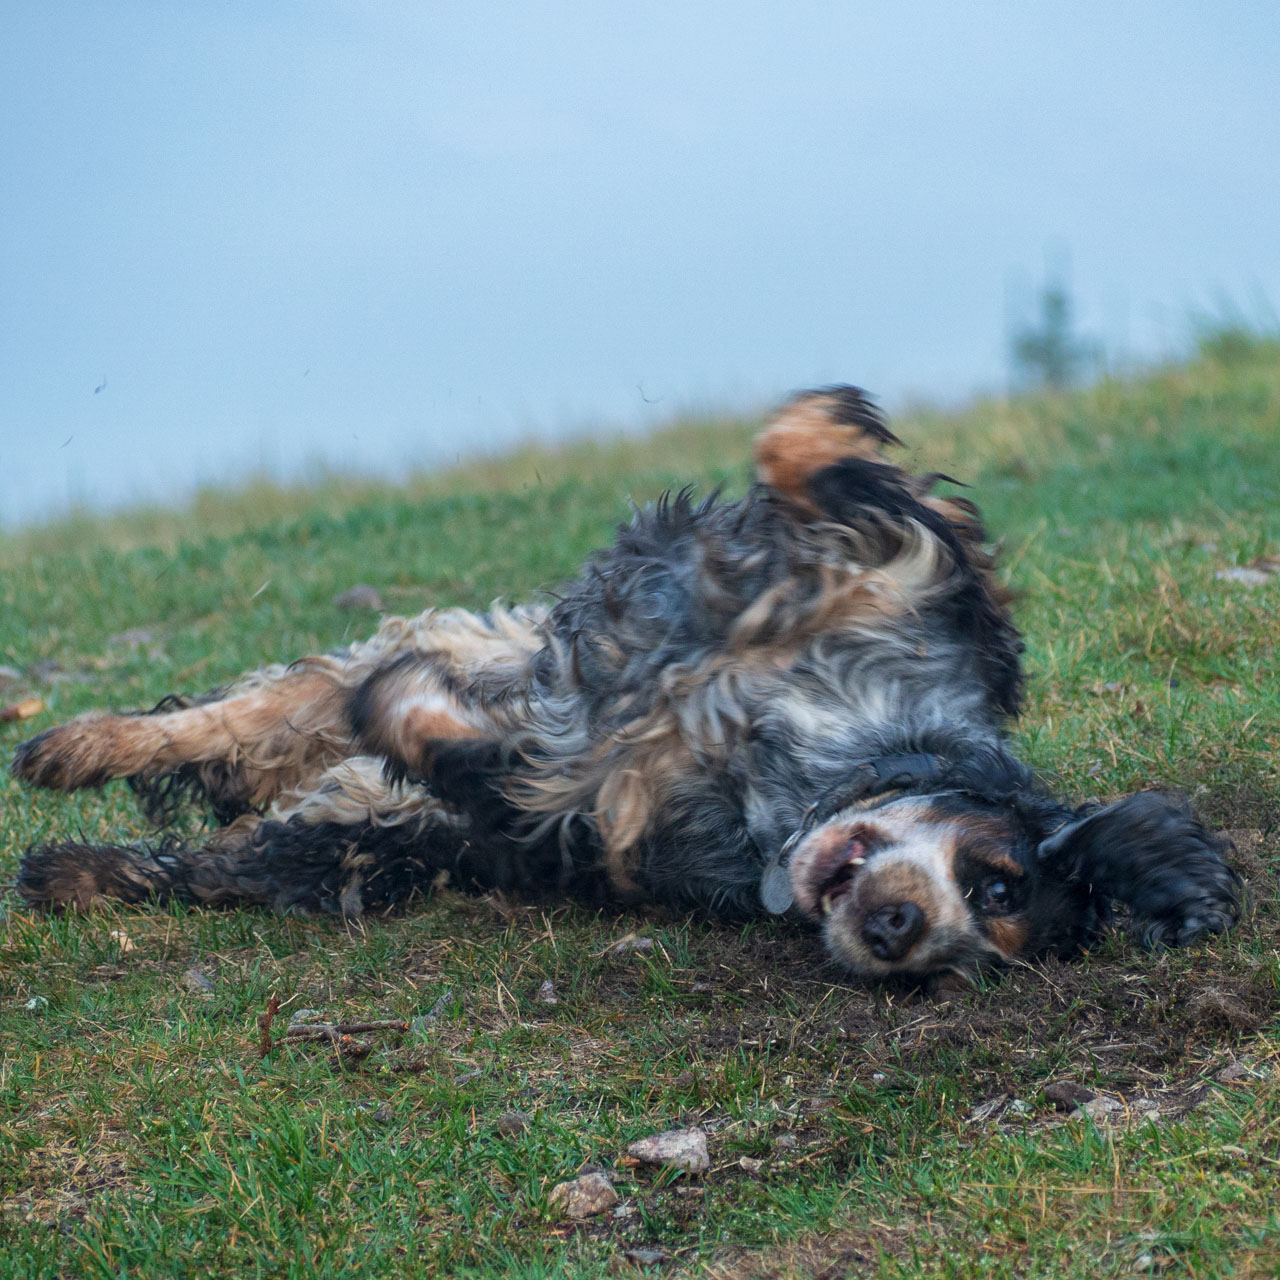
column 851, row 1131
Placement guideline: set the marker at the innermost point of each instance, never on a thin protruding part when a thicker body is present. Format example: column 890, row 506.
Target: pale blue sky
column 385, row 231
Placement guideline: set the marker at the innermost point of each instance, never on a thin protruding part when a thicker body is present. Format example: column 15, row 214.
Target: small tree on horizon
column 1045, row 351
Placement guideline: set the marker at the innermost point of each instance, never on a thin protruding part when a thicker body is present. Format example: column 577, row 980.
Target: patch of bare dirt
column 830, row 1256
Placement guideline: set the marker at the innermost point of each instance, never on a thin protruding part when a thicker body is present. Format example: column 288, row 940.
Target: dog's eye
column 995, row 895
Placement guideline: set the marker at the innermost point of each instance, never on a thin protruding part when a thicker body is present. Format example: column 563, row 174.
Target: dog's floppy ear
column 1150, row 853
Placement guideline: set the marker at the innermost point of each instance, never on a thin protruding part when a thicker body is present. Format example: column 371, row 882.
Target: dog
column 792, row 703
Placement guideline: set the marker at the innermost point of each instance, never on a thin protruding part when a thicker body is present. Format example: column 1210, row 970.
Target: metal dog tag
column 776, row 892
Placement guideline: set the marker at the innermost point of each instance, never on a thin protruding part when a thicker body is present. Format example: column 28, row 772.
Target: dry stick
column 301, row 1030
column 342, row 1031
column 264, row 1026
column 347, row 1046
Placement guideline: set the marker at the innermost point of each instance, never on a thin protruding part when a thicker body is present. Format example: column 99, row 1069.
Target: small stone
column 1239, row 573
column 383, row 1114
column 785, row 1140
column 646, row 1257
column 702, row 988
column 683, row 1149
column 878, row 1077
column 199, row 982
column 751, row 1165
column 1067, row 1095
column 1018, row 1107
column 583, row 1197
column 547, row 993
column 1098, row 1108
column 511, row 1124
column 37, row 1004
column 1236, row 1071
column 361, row 596
column 300, row 1017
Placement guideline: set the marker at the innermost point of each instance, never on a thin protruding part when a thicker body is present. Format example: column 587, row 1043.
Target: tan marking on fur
column 429, row 725
column 803, row 440
column 986, row 838
column 630, row 797
column 78, row 889
column 415, row 703
column 1008, row 934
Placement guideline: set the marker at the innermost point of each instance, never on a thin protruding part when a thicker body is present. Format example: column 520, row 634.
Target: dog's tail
column 341, row 868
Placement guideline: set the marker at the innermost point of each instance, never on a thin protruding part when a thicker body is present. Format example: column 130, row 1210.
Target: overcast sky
column 244, row 234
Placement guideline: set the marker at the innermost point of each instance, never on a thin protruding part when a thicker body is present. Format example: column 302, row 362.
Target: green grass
column 142, row 1134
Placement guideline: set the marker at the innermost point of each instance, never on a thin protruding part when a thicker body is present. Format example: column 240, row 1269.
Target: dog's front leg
column 1151, row 854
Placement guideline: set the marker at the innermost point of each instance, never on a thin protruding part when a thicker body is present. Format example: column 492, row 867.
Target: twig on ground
column 327, row 1030
column 264, row 1026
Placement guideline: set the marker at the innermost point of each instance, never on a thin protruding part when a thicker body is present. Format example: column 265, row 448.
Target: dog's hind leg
column 242, row 747
column 822, row 454
column 239, row 748
column 821, row 440
column 346, row 841
column 815, row 430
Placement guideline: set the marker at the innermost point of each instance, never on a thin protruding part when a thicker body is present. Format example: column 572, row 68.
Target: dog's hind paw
column 818, row 429
column 64, row 757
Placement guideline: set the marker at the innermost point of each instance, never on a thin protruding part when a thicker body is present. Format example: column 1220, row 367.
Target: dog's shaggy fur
column 792, row 701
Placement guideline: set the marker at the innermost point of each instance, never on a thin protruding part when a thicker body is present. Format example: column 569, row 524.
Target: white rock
column 1240, row 573
column 684, row 1149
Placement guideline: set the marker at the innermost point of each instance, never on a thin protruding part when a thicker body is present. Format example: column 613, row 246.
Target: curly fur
column 806, row 687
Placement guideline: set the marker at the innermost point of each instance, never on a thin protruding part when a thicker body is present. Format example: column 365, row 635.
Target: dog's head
column 959, row 879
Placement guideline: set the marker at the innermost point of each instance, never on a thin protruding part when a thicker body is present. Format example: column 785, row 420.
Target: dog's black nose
column 892, row 931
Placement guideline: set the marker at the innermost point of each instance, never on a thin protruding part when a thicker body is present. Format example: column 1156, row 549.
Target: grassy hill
column 142, row 1133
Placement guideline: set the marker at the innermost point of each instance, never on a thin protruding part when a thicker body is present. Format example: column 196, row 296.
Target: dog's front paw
column 1197, row 901
column 1150, row 853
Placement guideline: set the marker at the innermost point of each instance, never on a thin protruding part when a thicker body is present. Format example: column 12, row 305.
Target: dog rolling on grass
column 789, row 703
